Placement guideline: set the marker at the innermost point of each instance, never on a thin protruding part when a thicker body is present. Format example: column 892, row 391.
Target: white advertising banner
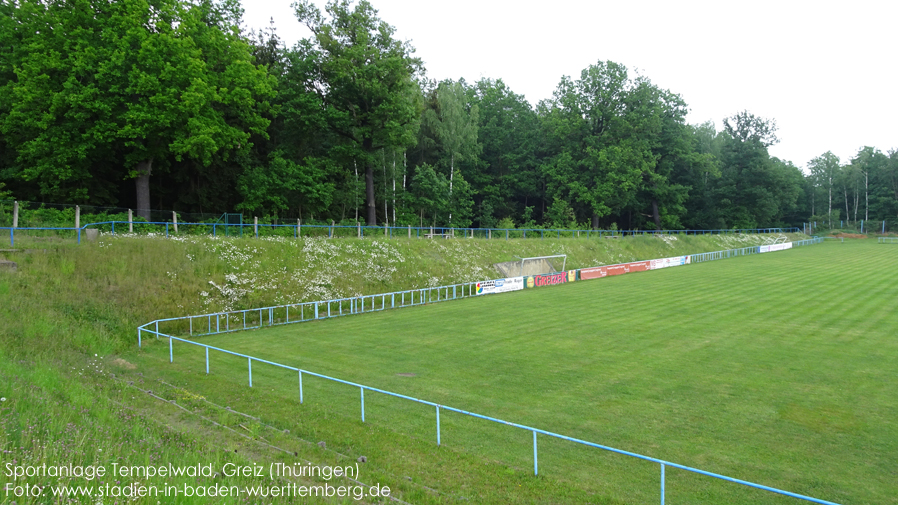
column 500, row 285
column 670, row 262
column 775, row 247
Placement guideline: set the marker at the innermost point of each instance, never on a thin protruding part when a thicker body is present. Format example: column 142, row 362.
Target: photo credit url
column 127, row 481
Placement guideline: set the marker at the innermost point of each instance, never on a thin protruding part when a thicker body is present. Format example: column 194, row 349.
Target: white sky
column 824, row 70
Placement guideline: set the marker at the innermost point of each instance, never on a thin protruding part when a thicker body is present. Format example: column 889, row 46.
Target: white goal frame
column 563, row 263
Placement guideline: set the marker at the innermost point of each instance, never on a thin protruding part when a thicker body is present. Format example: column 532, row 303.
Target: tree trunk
column 451, row 176
column 145, row 169
column 655, row 214
column 847, row 213
column 866, row 199
column 356, row 192
column 369, row 190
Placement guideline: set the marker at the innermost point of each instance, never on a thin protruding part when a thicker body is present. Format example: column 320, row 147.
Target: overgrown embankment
column 93, row 296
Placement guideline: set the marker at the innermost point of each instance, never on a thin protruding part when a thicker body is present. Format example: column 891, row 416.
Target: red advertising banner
column 535, row 281
column 625, row 268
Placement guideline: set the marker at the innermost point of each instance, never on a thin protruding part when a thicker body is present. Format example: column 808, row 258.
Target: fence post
column 171, row 352
column 438, row 425
column 15, row 215
column 535, row 459
column 409, row 231
column 431, row 232
column 358, row 229
column 250, row 362
column 489, row 234
column 130, row 221
column 256, row 226
column 363, row 403
column 299, row 227
column 662, row 483
column 77, row 216
column 300, row 386
column 207, row 361
column 174, row 218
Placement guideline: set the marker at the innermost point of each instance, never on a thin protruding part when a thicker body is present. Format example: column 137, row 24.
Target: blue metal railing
column 887, row 240
column 332, row 231
column 356, row 305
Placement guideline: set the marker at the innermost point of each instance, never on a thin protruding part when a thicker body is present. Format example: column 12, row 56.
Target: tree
column 454, row 125
column 119, row 90
column 825, row 168
column 868, row 160
column 508, row 179
column 365, row 79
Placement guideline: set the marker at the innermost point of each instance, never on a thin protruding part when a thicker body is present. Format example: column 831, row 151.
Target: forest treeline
column 169, row 104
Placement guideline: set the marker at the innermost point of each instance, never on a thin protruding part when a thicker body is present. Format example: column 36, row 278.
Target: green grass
column 67, row 304
column 775, row 368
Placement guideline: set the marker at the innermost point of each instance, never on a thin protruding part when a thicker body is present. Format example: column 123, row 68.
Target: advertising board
column 670, row 262
column 624, row 268
column 500, row 285
column 774, row 247
column 535, row 281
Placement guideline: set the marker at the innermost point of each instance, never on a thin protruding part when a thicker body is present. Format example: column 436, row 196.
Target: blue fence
column 888, row 240
column 358, row 231
column 279, row 315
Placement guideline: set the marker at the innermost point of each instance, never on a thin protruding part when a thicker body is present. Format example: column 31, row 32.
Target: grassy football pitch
column 780, row 369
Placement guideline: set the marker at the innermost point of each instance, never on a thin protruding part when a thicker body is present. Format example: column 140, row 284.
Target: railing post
column 438, row 425
column 15, row 216
column 207, row 361
column 300, row 386
column 662, row 483
column 535, row 459
column 250, row 362
column 139, row 332
column 256, row 226
column 171, row 351
column 316, row 310
column 77, row 216
column 174, row 218
column 130, row 221
column 363, row 403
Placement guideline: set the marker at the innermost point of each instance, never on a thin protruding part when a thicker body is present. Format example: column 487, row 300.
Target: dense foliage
column 167, row 104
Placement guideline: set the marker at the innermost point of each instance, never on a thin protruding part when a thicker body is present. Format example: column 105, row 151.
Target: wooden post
column 332, row 228
column 256, row 226
column 489, row 234
column 77, row 217
column 174, row 218
column 130, row 221
column 358, row 231
column 15, row 214
column 299, row 227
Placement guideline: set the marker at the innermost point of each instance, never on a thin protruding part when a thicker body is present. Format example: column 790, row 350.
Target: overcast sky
column 825, row 71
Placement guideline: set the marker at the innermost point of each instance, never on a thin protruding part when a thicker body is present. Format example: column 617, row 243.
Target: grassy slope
column 63, row 307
